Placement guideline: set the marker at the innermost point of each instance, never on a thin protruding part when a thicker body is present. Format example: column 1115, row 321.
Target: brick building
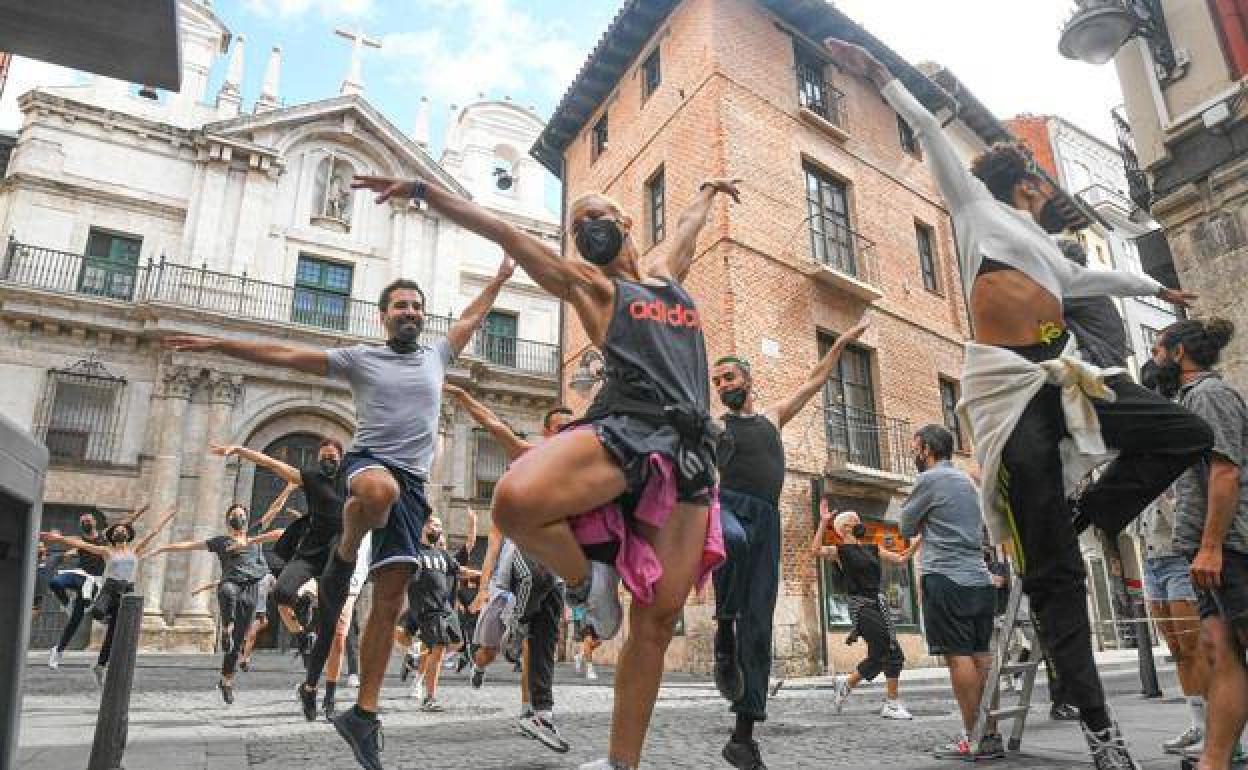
column 839, row 213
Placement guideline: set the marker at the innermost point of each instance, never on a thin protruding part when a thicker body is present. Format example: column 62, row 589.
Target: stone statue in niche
column 333, row 193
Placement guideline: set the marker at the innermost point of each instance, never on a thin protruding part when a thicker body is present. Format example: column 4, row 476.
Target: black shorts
column 399, row 541
column 630, row 441
column 1230, row 600
column 957, row 619
column 435, row 628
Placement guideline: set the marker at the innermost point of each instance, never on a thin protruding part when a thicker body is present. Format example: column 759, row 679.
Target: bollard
column 113, row 722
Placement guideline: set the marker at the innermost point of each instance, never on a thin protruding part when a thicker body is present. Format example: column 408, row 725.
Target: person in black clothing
column 861, row 565
column 752, row 465
column 242, row 568
column 466, row 592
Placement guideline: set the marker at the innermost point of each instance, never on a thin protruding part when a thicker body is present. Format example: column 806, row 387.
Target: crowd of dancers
column 648, row 489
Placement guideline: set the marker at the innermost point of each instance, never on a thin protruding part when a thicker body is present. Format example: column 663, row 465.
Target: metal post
column 1150, row 686
column 113, row 723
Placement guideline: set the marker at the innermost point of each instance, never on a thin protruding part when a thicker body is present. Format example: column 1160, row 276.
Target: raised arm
column 141, row 548
column 279, row 502
column 471, row 319
column 894, row 557
column 76, row 543
column 205, row 587
column 470, row 537
column 678, row 257
column 816, row 544
column 185, row 545
column 135, row 515
column 272, row 536
column 513, row 445
column 1080, row 281
column 300, row 359
column 786, row 409
column 287, row 473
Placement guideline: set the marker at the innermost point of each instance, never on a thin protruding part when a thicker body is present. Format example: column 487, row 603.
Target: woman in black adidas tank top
column 654, row 402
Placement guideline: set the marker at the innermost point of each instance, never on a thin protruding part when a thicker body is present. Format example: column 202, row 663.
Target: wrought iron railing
column 1138, row 186
column 80, row 416
column 239, row 296
column 816, row 94
column 868, row 439
column 832, row 243
column 1098, row 194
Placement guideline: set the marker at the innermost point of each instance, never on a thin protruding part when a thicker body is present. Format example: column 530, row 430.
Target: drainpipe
column 1232, row 26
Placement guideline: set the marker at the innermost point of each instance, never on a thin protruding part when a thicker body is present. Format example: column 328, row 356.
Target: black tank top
column 752, row 457
column 861, row 567
column 655, row 347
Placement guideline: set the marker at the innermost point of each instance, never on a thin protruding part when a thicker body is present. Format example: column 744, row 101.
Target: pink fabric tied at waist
column 637, row 563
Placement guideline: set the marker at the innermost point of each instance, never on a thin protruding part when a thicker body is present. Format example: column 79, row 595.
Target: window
column 896, row 583
column 110, row 265
column 909, row 142
column 813, row 90
column 656, row 194
column 949, row 395
column 598, row 137
column 490, row 464
column 500, row 338
column 849, row 407
column 827, row 212
column 651, row 74
column 322, row 293
column 926, row 241
column 80, row 413
column 1150, row 337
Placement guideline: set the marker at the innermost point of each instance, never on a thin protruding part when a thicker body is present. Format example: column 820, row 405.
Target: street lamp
column 1099, row 28
column 586, row 376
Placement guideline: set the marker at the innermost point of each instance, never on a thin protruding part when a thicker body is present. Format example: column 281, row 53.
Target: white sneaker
column 99, row 672
column 579, row 660
column 602, row 606
column 840, row 692
column 418, row 689
column 353, row 681
column 54, row 658
column 893, row 709
column 590, row 673
column 1184, row 740
column 604, row 764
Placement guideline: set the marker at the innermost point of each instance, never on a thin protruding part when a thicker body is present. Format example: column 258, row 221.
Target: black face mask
column 920, row 462
column 119, row 536
column 433, row 537
column 407, row 336
column 1050, row 217
column 329, row 467
column 859, row 530
column 1169, row 378
column 1148, row 374
column 237, row 521
column 87, row 527
column 735, row 399
column 599, row 240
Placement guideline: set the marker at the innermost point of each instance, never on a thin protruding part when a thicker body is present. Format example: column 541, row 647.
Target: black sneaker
column 307, row 699
column 244, row 665
column 478, row 678
column 410, row 664
column 544, row 731
column 1064, row 712
column 328, row 705
column 462, row 663
column 990, row 747
column 227, row 691
column 729, row 678
column 744, row 755
column 1108, row 749
column 363, row 736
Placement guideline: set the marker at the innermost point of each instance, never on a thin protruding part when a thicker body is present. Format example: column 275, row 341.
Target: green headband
column 741, row 362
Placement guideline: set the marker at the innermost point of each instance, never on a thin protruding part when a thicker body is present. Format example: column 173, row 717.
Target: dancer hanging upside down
column 651, row 447
column 1039, row 415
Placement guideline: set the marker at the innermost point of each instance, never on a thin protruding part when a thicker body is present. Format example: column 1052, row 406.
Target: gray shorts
column 492, row 623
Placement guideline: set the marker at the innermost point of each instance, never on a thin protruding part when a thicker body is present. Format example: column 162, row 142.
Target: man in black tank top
column 751, row 461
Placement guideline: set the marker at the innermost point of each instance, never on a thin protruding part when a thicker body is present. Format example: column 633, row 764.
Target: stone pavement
column 178, row 722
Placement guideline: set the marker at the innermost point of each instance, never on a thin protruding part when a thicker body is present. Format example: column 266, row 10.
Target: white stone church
column 129, row 214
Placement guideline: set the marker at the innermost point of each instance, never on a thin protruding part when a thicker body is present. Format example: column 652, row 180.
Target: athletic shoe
column 430, row 704
column 604, row 764
column 579, row 662
column 1186, row 739
column 306, row 642
column 894, row 709
column 410, row 663
column 478, row 677
column 601, row 600
column 244, row 665
column 591, row 673
column 1064, row 712
column 775, row 688
column 227, row 691
column 353, row 681
column 363, row 736
column 729, row 678
column 99, row 672
column 544, row 731
column 526, row 711
column 329, row 706
column 840, row 692
column 54, row 658
column 1108, row 749
column 990, row 747
column 958, row 748
column 462, row 662
column 307, row 699
column 743, row 755
column 418, row 689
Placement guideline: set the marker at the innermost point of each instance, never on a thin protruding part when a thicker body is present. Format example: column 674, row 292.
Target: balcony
column 1099, row 196
column 237, row 296
column 822, row 105
column 1138, row 186
column 865, row 447
column 842, row 258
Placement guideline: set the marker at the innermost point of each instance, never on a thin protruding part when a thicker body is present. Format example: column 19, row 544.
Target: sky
column 453, row 50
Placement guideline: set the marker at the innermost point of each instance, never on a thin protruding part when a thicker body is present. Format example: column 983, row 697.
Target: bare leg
column 967, row 674
column 373, row 493
column 1180, row 625
column 338, row 650
column 389, row 589
column 1228, row 705
column 890, row 688
column 433, row 669
column 249, row 643
column 287, row 614
column 484, row 656
column 534, row 499
column 679, row 548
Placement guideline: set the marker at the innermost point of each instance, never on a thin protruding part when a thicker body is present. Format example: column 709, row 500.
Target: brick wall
column 1033, row 131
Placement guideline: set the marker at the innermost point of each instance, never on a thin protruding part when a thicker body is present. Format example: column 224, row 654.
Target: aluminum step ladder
column 990, row 708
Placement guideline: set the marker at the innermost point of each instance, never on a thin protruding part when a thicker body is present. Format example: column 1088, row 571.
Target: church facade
column 129, row 215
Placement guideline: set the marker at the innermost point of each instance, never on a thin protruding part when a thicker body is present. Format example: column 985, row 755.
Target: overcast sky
column 451, row 50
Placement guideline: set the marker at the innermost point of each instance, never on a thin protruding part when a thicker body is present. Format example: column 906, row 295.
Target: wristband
column 419, row 188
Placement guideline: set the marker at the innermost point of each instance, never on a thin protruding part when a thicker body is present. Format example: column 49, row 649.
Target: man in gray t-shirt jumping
column 397, row 389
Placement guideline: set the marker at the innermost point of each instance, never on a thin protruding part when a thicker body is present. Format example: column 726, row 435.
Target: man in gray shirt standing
column 397, row 389
column 958, row 592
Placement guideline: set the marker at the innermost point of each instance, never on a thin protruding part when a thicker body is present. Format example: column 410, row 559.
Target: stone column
column 174, row 389
column 210, row 493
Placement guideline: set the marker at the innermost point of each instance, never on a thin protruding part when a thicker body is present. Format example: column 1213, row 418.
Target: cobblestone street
column 178, row 721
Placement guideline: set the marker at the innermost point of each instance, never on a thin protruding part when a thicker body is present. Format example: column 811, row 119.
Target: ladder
column 990, row 709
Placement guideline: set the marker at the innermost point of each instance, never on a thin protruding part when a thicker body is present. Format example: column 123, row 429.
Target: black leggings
column 237, row 603
column 883, row 652
column 1156, row 440
column 107, row 605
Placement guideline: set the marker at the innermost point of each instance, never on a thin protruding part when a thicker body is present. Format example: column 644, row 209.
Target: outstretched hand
column 222, row 450
column 452, row 390
column 858, row 329
column 189, row 343
column 729, row 187
column 856, row 60
column 1178, row 297
column 385, row 187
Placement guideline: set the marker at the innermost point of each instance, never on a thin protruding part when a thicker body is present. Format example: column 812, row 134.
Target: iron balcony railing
column 239, row 296
column 869, row 440
column 1138, row 186
column 816, row 94
column 833, row 244
column 1100, row 195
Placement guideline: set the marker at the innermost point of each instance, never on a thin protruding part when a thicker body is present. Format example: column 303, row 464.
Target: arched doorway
column 297, row 450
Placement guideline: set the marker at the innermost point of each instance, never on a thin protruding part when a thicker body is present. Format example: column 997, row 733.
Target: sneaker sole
column 549, row 742
column 355, row 748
